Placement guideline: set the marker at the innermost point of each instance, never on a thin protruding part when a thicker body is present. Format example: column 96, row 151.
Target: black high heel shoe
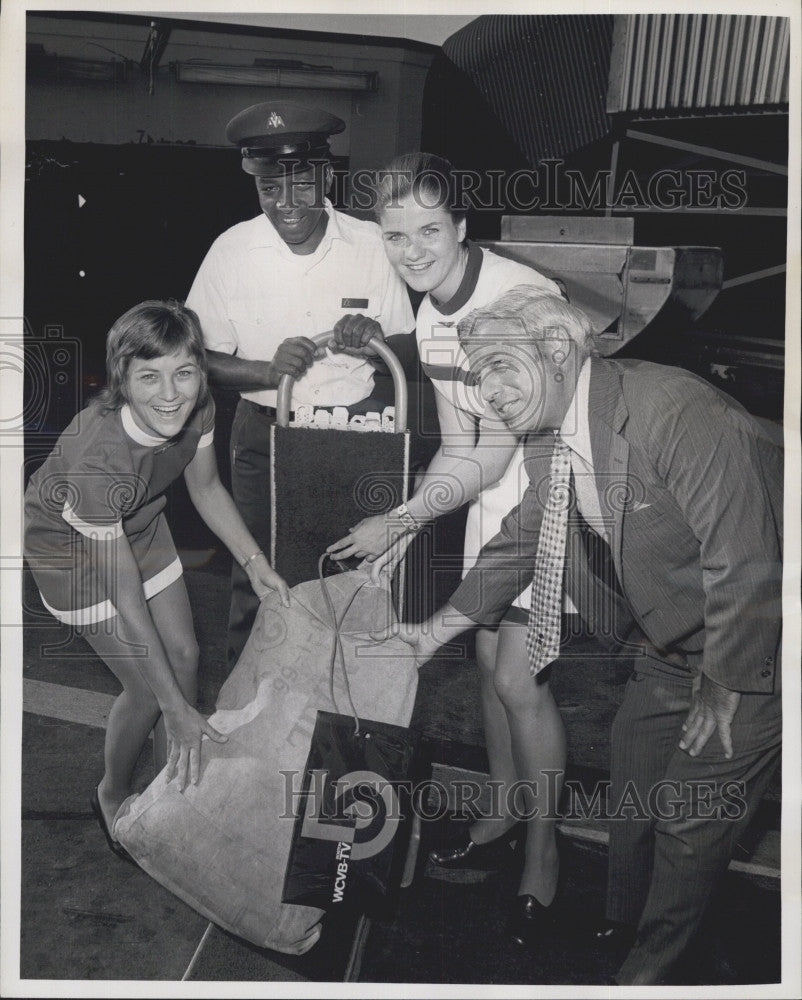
column 530, row 919
column 460, row 852
column 114, row 845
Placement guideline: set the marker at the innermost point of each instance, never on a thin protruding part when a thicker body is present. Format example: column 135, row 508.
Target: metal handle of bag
column 387, row 356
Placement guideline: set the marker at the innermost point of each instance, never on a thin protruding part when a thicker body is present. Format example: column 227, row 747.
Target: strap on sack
column 337, row 646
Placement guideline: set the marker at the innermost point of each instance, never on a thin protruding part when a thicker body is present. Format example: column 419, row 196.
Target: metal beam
column 718, row 154
column 697, row 210
column 613, row 171
column 744, row 279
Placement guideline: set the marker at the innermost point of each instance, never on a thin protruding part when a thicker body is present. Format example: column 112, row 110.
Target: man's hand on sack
column 426, row 638
column 352, row 333
column 421, row 646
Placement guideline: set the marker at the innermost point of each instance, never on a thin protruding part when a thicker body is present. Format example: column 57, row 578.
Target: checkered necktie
column 543, row 633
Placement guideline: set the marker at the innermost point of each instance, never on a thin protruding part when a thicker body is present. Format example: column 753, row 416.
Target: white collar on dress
column 133, row 430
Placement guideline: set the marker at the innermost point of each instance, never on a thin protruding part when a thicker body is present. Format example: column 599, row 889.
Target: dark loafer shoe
column 114, row 845
column 462, row 853
column 613, row 936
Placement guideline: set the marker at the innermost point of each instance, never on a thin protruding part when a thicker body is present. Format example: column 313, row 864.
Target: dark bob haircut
column 152, row 329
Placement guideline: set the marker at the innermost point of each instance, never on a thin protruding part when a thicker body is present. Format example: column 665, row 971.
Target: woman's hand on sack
column 389, row 560
column 265, row 579
column 367, row 540
column 352, row 333
column 185, row 729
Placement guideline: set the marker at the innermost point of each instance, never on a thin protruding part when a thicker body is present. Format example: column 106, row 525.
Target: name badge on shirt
column 355, row 303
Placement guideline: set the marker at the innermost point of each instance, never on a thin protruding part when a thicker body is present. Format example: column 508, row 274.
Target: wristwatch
column 406, row 518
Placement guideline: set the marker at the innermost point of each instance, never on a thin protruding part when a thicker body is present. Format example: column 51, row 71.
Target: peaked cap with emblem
column 276, row 135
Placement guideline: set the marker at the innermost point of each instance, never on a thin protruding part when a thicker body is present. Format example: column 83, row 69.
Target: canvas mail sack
column 222, row 845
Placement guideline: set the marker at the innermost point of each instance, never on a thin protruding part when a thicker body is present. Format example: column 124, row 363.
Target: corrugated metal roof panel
column 699, row 61
column 544, row 77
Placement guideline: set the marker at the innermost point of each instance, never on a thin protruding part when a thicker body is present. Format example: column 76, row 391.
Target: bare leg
column 497, row 738
column 172, row 616
column 537, row 739
column 132, row 716
column 136, row 711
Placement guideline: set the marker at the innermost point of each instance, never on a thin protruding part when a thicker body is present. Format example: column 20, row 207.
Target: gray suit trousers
column 679, row 815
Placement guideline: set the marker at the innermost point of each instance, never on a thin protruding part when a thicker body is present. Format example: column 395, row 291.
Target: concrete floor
column 86, row 915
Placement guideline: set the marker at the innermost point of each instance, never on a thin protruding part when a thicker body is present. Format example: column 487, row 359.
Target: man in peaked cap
column 268, row 285
column 279, row 140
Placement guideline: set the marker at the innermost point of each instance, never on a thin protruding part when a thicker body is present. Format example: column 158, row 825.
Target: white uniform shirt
column 252, row 292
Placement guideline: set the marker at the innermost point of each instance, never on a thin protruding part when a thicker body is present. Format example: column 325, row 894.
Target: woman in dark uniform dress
column 101, row 552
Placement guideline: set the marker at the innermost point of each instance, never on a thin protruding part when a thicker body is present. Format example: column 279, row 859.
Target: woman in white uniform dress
column 424, row 238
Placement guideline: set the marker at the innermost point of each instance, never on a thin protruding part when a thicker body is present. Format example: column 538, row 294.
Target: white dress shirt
column 575, row 431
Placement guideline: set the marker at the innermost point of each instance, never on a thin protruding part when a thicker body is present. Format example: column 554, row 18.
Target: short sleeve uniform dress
column 105, row 477
column 487, row 276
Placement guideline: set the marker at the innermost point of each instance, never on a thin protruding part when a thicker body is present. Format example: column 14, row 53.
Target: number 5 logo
column 317, row 828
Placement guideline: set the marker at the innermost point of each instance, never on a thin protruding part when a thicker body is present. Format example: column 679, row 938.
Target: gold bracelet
column 250, row 559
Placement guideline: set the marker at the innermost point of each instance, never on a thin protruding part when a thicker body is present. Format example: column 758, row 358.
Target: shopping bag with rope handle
column 355, row 801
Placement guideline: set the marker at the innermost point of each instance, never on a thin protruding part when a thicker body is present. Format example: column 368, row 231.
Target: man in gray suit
column 686, row 490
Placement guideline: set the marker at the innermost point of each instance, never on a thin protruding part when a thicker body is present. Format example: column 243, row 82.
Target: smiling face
column 527, row 383
column 295, row 206
column 162, row 392
column 424, row 245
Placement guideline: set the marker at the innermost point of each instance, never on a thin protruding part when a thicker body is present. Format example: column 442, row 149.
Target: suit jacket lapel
column 610, row 451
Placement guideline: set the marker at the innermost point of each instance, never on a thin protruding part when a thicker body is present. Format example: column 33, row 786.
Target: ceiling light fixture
column 276, row 76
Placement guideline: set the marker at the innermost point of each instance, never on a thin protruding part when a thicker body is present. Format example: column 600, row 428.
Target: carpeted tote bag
column 355, row 804
column 222, row 845
column 324, row 481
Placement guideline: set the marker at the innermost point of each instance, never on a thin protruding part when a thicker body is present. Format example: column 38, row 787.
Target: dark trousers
column 663, row 866
column 250, row 487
